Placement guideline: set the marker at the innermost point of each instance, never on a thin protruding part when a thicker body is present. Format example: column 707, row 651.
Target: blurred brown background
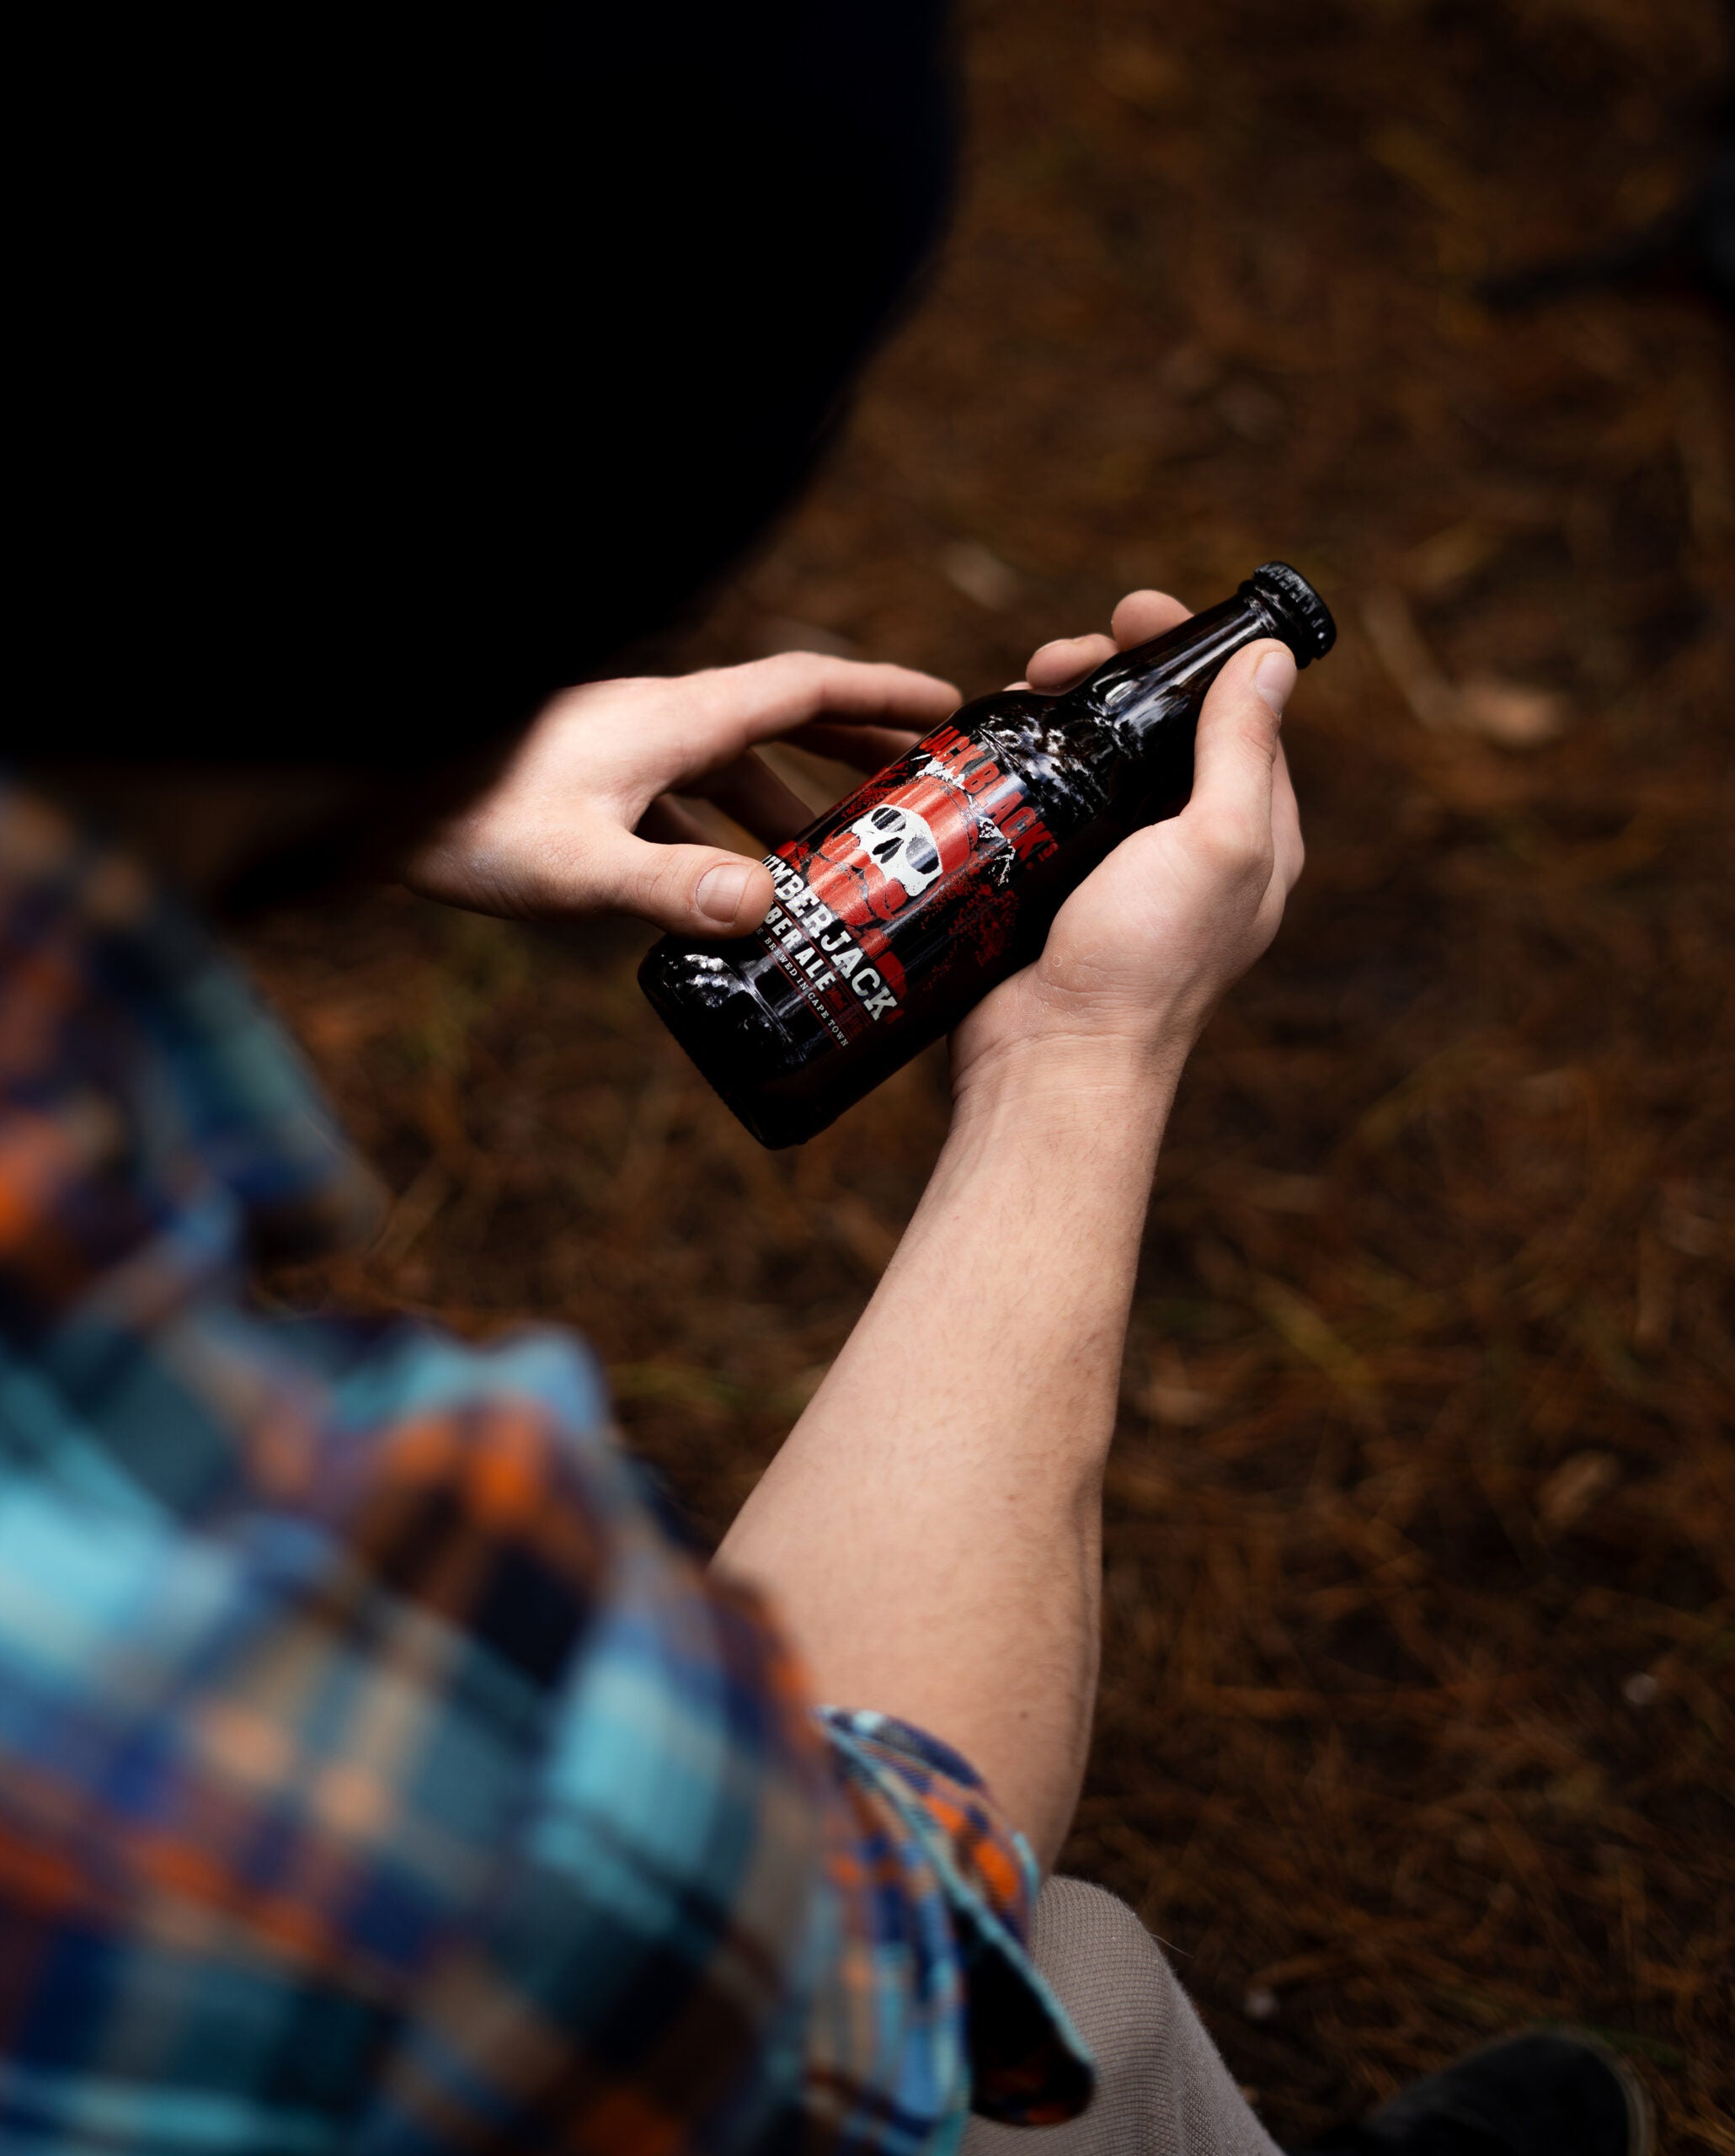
column 1422, row 1604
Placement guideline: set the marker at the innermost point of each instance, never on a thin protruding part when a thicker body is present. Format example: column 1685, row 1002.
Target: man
column 376, row 1772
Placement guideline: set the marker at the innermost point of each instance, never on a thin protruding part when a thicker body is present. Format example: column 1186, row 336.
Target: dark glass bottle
column 900, row 907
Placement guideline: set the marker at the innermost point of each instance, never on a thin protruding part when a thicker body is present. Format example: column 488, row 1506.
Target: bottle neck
column 1139, row 689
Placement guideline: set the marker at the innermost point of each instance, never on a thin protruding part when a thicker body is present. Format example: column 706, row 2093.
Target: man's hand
column 581, row 823
column 1141, row 952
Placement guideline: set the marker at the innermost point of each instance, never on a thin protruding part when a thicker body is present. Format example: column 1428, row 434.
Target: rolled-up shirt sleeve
column 930, row 1894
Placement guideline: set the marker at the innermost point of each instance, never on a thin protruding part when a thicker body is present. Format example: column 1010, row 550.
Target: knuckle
column 805, row 670
column 1258, row 729
column 1231, row 850
column 775, row 673
column 664, row 882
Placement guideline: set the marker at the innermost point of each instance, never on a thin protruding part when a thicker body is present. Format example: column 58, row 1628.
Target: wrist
column 1034, row 1063
column 1050, row 1085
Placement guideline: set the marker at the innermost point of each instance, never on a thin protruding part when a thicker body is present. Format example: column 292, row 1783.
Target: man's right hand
column 1142, row 951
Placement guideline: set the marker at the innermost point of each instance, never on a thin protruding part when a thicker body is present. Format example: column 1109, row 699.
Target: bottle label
column 914, row 869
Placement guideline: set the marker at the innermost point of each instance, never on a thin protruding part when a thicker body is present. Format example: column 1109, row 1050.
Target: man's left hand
column 582, row 820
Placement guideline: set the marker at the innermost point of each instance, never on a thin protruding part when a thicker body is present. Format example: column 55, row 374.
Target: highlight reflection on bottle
column 897, row 910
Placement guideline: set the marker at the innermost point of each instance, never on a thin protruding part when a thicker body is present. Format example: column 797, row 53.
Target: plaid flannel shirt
column 376, row 1772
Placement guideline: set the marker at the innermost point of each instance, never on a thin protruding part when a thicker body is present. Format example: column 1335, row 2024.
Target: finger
column 1142, row 615
column 1057, row 665
column 695, row 890
column 864, row 748
column 760, row 801
column 772, row 696
column 1228, row 817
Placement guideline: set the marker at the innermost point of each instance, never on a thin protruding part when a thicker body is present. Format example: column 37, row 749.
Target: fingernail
column 1274, row 678
column 719, row 892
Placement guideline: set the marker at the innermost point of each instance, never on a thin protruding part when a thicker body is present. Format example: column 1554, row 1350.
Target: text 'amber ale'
column 900, row 907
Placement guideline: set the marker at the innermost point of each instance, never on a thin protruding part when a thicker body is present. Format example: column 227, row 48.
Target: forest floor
column 1420, row 1668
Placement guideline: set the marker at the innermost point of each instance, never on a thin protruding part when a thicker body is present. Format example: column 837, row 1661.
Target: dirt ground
column 1418, row 1693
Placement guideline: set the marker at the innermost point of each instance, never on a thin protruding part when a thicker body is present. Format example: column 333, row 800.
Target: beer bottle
column 899, row 910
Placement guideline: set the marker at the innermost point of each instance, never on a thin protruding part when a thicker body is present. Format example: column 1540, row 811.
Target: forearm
column 931, row 1529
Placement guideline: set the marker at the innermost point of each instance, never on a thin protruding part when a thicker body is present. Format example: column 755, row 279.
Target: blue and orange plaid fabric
column 377, row 1773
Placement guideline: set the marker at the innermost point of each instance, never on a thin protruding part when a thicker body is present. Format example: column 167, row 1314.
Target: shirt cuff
column 1029, row 2065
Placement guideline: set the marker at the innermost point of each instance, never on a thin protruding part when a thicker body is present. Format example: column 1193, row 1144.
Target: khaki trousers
column 1162, row 2089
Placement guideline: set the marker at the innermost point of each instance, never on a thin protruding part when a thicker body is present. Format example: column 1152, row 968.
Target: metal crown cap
column 1308, row 627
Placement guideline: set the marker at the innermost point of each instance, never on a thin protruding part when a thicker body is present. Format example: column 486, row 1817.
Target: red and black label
column 928, row 851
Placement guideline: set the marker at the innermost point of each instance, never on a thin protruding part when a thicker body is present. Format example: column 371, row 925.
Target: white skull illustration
column 901, row 846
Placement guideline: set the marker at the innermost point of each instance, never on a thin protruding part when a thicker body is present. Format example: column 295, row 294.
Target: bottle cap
column 1303, row 620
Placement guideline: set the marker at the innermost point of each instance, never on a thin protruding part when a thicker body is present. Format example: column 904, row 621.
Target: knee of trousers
column 1108, row 1970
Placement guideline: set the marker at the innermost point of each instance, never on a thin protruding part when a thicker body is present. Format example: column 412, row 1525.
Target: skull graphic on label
column 901, row 846
column 894, row 851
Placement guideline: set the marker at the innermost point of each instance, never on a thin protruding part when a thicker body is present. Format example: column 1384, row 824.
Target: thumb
column 695, row 890
column 1233, row 755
